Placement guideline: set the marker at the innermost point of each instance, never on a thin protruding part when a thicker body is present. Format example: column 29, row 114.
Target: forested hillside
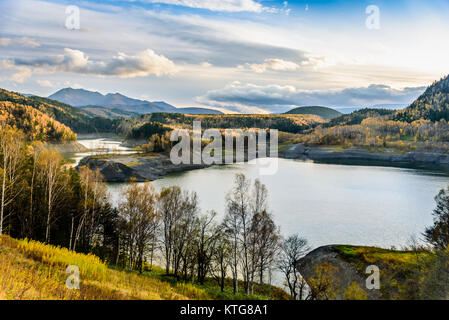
column 432, row 105
column 422, row 126
column 323, row 112
column 137, row 127
column 78, row 120
column 358, row 116
column 35, row 124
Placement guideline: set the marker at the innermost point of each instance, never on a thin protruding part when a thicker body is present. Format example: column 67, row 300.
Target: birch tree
column 139, row 210
column 178, row 211
column 94, row 193
column 55, row 180
column 237, row 221
column 11, row 151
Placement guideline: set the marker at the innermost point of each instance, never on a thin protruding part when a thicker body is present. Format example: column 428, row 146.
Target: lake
column 325, row 203
column 98, row 146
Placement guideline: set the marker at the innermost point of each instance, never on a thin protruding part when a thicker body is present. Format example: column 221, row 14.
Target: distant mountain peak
column 118, row 101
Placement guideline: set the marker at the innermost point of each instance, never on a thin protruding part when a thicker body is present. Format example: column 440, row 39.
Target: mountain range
column 82, row 98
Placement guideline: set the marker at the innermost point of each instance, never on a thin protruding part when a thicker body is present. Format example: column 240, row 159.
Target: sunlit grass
column 32, row 270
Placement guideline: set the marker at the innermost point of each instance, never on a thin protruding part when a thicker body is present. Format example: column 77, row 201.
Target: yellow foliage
column 354, row 292
column 31, row 270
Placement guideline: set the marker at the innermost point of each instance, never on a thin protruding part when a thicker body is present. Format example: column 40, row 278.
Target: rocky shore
column 121, row 168
column 299, row 151
column 140, row 167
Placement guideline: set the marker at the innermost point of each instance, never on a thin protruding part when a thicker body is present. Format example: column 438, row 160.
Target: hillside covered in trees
column 36, row 124
column 323, row 112
column 421, row 126
column 432, row 105
column 76, row 119
column 157, row 123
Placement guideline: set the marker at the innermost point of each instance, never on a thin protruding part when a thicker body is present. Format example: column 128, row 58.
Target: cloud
column 122, row 65
column 23, row 42
column 45, row 83
column 21, row 75
column 248, row 97
column 216, row 5
column 272, row 64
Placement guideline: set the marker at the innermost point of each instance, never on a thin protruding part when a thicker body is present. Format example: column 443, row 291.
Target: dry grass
column 31, row 270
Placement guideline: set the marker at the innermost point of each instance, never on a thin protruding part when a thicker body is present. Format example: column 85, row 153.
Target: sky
column 244, row 56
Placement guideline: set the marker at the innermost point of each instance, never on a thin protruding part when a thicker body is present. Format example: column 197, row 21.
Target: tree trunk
column 3, row 197
column 71, row 233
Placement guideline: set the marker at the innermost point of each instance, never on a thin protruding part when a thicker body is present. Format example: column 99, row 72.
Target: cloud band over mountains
column 250, row 98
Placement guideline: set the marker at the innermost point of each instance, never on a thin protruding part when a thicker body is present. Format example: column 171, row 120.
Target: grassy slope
column 32, row 270
column 396, row 267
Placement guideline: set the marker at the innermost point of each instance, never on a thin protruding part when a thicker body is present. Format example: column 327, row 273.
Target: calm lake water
column 327, row 204
column 98, row 146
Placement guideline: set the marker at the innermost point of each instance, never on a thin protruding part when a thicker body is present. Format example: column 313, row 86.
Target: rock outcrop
column 346, row 274
column 141, row 167
column 112, row 171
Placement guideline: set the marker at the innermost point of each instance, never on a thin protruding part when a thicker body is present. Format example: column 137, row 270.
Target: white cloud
column 216, row 5
column 45, row 83
column 5, row 42
column 272, row 64
column 6, row 64
column 122, row 65
column 21, row 75
column 23, row 42
column 279, row 98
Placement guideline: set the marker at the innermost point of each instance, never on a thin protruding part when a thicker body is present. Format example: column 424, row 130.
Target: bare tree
column 207, row 236
column 263, row 234
column 94, row 192
column 11, row 147
column 35, row 151
column 178, row 212
column 237, row 221
column 184, row 229
column 221, row 258
column 139, row 210
column 265, row 238
column 55, row 181
column 293, row 249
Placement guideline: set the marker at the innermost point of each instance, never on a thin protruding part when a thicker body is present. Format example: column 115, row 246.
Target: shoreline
column 413, row 159
column 122, row 168
column 67, row 147
column 149, row 167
